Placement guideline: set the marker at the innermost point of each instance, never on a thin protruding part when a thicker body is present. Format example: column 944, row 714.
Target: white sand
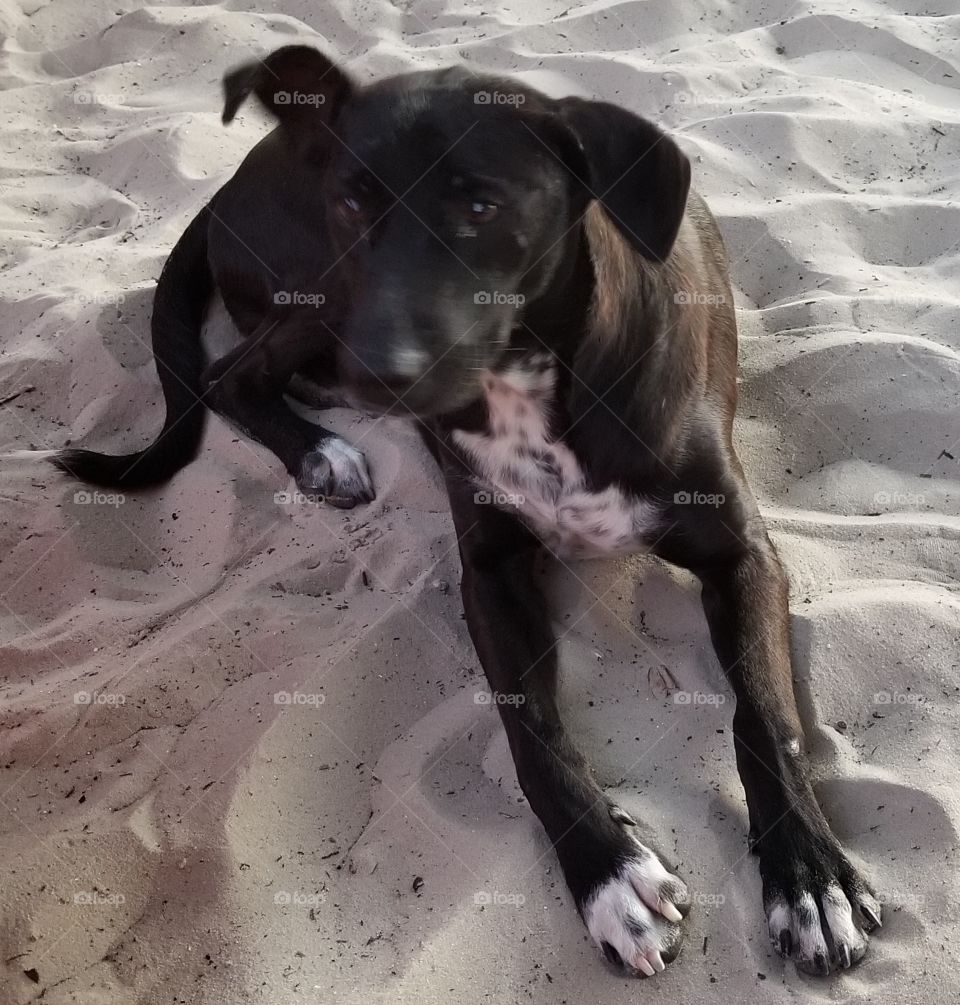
column 199, row 842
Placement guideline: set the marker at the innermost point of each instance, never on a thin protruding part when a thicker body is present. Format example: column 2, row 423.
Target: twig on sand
column 663, row 677
column 16, row 394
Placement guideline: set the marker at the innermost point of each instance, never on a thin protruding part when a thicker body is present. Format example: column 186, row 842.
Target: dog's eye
column 481, row 211
column 349, row 205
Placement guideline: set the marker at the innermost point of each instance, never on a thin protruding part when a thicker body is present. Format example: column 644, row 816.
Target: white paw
column 820, row 944
column 635, row 915
column 338, row 472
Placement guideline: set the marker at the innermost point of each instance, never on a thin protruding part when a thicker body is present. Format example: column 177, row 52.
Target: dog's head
column 454, row 201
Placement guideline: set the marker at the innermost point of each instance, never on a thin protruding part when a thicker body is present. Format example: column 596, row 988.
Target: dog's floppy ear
column 637, row 173
column 297, row 84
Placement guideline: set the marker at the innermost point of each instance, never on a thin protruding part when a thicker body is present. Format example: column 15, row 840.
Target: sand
column 245, row 752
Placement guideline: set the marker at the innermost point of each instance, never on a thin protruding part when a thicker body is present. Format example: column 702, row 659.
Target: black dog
column 534, row 282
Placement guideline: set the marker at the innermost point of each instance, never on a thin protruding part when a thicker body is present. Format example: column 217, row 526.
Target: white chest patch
column 520, row 466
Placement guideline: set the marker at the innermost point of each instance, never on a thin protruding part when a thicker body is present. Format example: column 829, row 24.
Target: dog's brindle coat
column 535, row 284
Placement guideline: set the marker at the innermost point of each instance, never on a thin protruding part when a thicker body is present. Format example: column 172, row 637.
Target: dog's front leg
column 630, row 902
column 818, row 907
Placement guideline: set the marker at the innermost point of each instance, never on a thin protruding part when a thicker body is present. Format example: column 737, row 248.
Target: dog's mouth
column 422, row 400
column 404, row 380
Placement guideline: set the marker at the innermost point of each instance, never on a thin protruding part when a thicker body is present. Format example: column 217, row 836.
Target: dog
column 533, row 281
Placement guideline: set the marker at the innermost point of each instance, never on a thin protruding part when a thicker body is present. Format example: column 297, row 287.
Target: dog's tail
column 179, row 305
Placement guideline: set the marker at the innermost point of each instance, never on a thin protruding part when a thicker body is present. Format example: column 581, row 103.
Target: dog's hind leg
column 307, row 391
column 246, row 387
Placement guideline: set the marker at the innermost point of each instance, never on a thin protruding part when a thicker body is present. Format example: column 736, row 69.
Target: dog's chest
column 522, row 464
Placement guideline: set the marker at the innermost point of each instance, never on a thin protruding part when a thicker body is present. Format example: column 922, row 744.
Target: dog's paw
column 338, row 472
column 819, row 910
column 634, row 916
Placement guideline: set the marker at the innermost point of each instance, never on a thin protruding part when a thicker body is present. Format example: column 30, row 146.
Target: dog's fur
column 535, row 284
